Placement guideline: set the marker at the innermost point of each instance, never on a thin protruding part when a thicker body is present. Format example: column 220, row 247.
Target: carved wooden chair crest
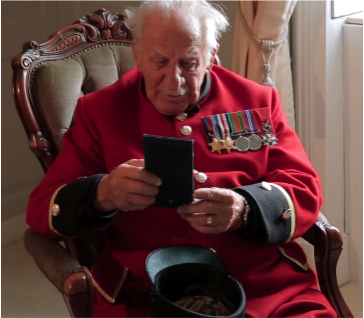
column 48, row 79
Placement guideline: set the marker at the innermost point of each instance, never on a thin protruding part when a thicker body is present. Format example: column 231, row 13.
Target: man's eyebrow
column 156, row 54
column 191, row 54
column 188, row 55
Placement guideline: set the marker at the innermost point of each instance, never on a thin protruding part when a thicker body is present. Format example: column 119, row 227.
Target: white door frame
column 318, row 89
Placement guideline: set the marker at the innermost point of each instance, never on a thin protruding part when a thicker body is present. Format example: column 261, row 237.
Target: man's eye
column 189, row 65
column 160, row 63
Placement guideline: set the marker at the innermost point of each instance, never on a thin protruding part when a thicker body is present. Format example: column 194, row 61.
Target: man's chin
column 170, row 108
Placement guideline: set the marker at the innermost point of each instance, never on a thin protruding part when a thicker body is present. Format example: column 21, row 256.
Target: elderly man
column 256, row 190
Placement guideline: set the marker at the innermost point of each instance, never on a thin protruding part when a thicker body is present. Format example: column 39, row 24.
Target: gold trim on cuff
column 291, row 206
column 50, row 211
column 303, row 266
column 117, row 290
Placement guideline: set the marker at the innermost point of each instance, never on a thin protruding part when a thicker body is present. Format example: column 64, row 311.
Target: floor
column 27, row 293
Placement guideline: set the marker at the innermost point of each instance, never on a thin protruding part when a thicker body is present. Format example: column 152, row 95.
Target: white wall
column 353, row 145
column 329, row 122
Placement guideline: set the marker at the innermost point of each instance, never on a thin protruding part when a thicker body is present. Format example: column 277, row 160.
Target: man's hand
column 128, row 187
column 222, row 208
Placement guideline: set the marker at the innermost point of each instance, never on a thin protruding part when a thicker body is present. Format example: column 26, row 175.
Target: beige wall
column 36, row 20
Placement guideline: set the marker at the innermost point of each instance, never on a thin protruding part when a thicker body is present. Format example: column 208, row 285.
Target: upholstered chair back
column 49, row 78
column 57, row 86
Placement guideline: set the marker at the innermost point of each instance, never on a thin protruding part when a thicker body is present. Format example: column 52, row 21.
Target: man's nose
column 174, row 77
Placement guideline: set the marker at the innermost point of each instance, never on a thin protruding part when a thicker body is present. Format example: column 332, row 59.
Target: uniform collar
column 205, row 87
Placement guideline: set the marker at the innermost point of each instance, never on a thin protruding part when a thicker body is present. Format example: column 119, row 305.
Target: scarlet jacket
column 277, row 180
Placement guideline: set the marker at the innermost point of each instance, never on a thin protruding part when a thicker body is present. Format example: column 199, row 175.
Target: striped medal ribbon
column 255, row 141
column 212, row 130
column 225, row 130
column 242, row 143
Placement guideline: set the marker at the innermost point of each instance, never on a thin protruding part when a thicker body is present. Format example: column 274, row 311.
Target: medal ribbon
column 210, row 134
column 226, row 124
column 222, row 124
column 229, row 116
column 211, row 128
column 241, row 121
column 219, row 126
column 237, row 123
column 250, row 120
column 229, row 123
column 215, row 124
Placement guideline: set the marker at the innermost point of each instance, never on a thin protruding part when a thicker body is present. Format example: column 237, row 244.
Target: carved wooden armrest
column 70, row 278
column 54, row 261
column 328, row 244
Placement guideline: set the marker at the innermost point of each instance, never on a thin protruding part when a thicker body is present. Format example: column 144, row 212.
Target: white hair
column 211, row 19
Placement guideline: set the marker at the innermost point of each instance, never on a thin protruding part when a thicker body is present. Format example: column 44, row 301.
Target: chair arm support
column 78, row 293
column 75, row 282
column 328, row 245
column 53, row 260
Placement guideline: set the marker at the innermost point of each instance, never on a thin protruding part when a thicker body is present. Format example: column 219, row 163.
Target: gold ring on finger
column 209, row 220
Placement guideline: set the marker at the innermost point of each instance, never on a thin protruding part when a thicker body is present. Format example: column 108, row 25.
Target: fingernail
column 159, row 183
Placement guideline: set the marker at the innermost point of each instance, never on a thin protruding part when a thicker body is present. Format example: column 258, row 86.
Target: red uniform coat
column 108, row 130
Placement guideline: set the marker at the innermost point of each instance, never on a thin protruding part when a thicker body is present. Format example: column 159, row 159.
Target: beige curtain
column 262, row 27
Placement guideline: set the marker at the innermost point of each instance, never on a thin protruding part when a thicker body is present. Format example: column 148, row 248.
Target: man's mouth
column 173, row 97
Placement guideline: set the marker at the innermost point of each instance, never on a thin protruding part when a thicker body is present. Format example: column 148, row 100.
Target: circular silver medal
column 242, row 144
column 255, row 142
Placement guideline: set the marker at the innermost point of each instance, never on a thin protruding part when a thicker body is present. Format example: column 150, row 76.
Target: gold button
column 55, row 209
column 186, row 130
column 201, row 177
column 182, row 116
column 266, row 186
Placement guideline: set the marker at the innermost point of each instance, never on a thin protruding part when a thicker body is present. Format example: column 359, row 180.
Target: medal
column 216, row 145
column 238, row 128
column 269, row 139
column 255, row 141
column 242, row 144
column 228, row 131
column 228, row 143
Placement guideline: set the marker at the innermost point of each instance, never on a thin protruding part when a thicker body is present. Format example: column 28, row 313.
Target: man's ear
column 214, row 55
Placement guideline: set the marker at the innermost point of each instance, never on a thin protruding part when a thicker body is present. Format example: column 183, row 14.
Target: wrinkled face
column 171, row 58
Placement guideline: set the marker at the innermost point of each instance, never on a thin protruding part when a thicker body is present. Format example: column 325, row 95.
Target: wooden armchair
column 48, row 79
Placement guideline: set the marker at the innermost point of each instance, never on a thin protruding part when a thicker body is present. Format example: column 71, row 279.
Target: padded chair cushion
column 58, row 85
